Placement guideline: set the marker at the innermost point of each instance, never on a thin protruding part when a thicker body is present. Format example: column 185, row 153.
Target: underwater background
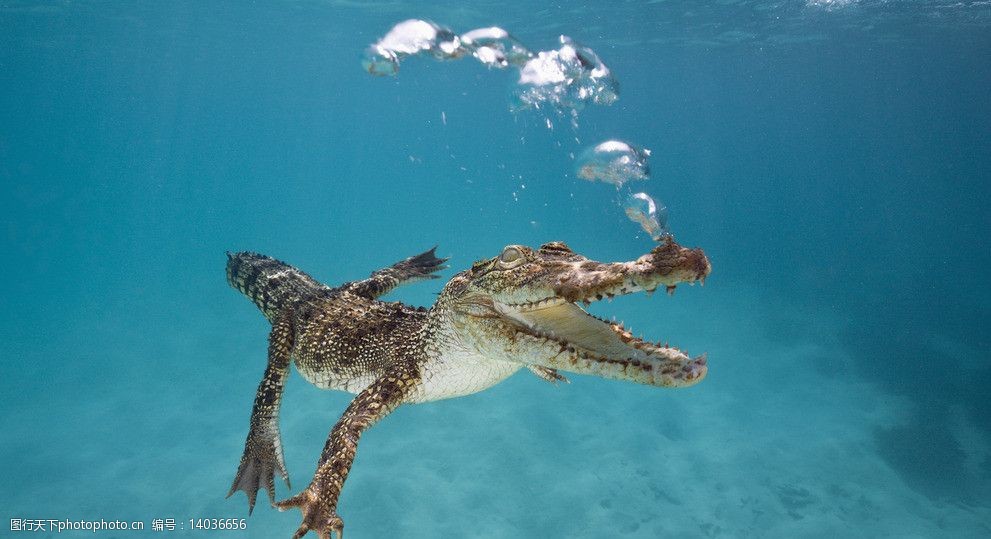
column 833, row 158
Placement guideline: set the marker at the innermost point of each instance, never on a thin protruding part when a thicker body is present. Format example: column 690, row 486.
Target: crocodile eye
column 510, row 255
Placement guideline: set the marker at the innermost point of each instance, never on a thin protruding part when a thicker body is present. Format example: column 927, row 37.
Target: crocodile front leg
column 319, row 501
column 263, row 448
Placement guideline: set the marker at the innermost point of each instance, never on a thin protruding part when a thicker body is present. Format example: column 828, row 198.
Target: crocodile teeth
column 535, row 305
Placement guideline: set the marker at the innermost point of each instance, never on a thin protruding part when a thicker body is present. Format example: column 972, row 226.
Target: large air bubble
column 613, row 161
column 409, row 38
column 565, row 79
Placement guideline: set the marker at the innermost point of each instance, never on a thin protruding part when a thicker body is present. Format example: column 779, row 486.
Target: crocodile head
column 524, row 306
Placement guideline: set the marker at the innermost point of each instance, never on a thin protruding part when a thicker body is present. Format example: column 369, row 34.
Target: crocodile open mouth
column 541, row 307
column 591, row 345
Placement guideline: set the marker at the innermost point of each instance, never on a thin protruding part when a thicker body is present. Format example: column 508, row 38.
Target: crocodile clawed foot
column 262, row 458
column 419, row 267
column 318, row 515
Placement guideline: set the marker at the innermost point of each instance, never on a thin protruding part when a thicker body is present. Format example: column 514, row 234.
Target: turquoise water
column 832, row 158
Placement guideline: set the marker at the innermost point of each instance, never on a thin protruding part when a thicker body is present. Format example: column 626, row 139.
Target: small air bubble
column 650, row 215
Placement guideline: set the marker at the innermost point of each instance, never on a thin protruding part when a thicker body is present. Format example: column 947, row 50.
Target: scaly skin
column 519, row 309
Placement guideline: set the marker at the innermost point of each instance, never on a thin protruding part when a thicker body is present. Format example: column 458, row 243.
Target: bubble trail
column 613, row 161
column 651, row 216
column 562, row 80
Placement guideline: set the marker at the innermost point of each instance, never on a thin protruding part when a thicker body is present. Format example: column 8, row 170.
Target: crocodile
column 520, row 309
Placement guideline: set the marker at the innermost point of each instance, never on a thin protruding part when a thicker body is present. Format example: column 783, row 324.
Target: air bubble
column 565, row 79
column 650, row 215
column 495, row 47
column 408, row 38
column 613, row 161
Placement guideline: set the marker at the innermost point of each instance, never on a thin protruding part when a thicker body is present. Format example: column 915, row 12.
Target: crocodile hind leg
column 263, row 448
column 319, row 501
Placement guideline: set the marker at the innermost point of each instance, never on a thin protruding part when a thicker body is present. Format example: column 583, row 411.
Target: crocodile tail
column 270, row 284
